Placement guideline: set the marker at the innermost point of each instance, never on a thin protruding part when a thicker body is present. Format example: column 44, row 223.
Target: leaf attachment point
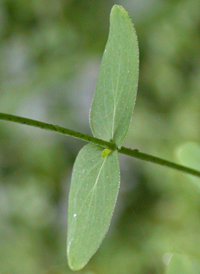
column 106, row 152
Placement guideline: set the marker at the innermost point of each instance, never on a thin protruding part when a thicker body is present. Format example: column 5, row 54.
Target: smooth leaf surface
column 182, row 264
column 116, row 89
column 92, row 198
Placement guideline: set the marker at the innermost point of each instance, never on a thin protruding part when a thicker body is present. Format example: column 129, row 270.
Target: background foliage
column 50, row 56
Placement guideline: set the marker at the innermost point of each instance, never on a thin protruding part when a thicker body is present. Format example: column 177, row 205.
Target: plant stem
column 62, row 130
column 156, row 160
column 131, row 152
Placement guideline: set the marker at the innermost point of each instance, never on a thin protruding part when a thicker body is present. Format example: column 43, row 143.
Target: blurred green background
column 50, row 53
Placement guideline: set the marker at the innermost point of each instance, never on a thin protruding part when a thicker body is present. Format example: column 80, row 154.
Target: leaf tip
column 118, row 8
column 74, row 264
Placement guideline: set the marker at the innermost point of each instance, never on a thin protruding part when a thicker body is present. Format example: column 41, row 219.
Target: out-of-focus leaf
column 181, row 264
column 92, row 197
column 116, row 89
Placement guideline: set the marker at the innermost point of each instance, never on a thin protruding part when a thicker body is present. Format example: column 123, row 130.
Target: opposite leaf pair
column 95, row 179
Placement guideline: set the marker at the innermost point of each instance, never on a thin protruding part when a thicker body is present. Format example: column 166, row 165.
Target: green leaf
column 182, row 264
column 116, row 89
column 92, row 198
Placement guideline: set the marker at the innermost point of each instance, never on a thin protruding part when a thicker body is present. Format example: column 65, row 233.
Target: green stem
column 62, row 130
column 156, row 160
column 131, row 152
